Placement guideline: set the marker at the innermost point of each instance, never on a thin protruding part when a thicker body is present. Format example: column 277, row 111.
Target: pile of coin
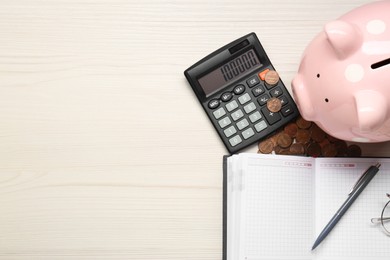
column 303, row 137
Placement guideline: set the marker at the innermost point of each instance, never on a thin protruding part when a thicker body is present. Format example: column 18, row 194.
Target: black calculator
column 235, row 86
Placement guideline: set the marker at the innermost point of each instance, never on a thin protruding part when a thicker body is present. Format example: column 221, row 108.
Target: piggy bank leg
column 371, row 109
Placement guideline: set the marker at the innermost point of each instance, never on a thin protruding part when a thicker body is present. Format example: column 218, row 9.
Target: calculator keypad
column 242, row 113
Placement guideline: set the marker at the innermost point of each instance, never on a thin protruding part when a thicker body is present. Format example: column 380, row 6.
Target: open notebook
column 276, row 205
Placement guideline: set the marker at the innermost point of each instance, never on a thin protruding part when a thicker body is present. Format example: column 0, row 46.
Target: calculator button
column 244, row 98
column 287, row 110
column 253, row 81
column 242, row 124
column 237, row 114
column 283, row 100
column 263, row 99
column 235, row 140
column 248, row 133
column 262, row 74
column 258, row 90
column 271, row 117
column 250, row 107
column 239, row 89
column 220, row 112
column 214, row 103
column 261, row 126
column 230, row 131
column 226, row 96
column 224, row 122
column 255, row 117
column 231, row 105
column 276, row 92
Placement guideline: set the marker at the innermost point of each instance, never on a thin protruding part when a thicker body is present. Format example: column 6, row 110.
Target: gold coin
column 317, row 134
column 274, row 104
column 314, row 150
column 271, row 78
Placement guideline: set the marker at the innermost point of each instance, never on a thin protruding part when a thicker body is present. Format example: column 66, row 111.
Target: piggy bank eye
column 318, row 75
column 326, row 100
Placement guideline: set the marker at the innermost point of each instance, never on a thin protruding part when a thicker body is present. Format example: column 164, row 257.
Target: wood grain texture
column 105, row 153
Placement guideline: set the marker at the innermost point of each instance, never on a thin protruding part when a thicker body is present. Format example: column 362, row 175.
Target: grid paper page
column 354, row 237
column 277, row 208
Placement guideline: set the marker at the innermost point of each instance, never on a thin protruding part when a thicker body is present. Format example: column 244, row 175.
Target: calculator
column 241, row 93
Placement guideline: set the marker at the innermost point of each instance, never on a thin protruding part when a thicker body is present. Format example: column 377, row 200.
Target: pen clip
column 361, row 177
column 358, row 182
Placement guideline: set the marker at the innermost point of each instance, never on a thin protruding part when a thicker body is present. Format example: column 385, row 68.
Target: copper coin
column 317, row 134
column 341, row 148
column 302, row 123
column 297, row 149
column 271, row 78
column 291, row 129
column 314, row 150
column 266, row 146
column 284, row 140
column 274, row 104
column 354, row 151
column 303, row 136
column 282, row 151
column 329, row 150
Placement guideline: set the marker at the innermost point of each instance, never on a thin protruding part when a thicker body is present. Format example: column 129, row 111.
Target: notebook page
column 354, row 237
column 276, row 207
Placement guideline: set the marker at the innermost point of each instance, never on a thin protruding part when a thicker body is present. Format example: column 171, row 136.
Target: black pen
column 353, row 194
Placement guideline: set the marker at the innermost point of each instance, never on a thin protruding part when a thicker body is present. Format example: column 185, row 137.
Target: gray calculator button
column 235, row 140
column 250, row 107
column 237, row 114
column 224, row 122
column 256, row 116
column 248, row 133
column 261, row 126
column 244, row 98
column 231, row 105
column 220, row 112
column 230, row 131
column 242, row 124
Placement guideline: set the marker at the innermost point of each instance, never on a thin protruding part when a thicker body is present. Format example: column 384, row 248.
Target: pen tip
column 378, row 165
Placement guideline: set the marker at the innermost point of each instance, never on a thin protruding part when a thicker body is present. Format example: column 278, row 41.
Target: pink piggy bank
column 343, row 82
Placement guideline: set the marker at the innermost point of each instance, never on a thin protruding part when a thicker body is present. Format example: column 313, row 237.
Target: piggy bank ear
column 344, row 37
column 371, row 109
column 302, row 98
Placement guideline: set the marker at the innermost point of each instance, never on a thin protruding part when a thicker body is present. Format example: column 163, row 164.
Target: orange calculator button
column 262, row 74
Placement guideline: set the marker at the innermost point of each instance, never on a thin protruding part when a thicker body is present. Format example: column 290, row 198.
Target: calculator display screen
column 229, row 71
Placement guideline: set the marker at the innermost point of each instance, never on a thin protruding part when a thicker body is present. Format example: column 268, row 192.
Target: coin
column 314, row 150
column 329, row 150
column 302, row 123
column 354, row 151
column 266, row 146
column 341, row 147
column 284, row 140
column 291, row 129
column 274, row 104
column 303, row 136
column 297, row 149
column 317, row 134
column 271, row 78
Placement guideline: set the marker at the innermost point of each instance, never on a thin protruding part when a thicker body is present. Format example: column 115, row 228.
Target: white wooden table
column 105, row 153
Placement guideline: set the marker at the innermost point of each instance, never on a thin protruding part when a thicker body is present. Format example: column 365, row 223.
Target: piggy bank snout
column 302, row 97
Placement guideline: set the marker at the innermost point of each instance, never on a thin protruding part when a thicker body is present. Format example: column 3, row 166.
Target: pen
column 353, row 194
